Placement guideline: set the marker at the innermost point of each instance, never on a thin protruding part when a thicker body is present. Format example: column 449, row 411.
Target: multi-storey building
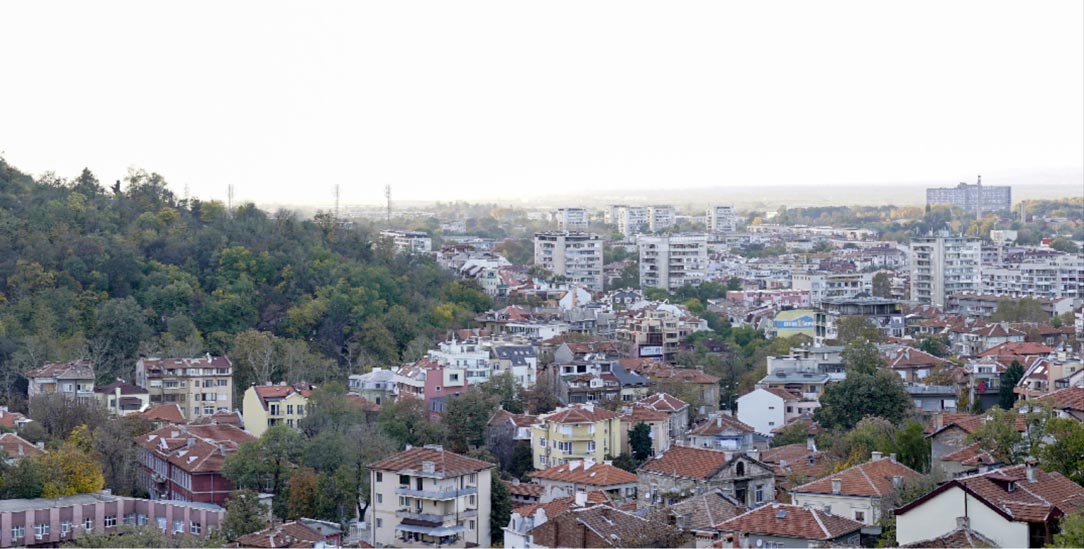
column 429, row 496
column 942, row 265
column 56, row 522
column 671, row 261
column 411, row 242
column 886, row 314
column 74, row 380
column 656, row 332
column 823, row 286
column 184, row 462
column 377, row 386
column 577, row 431
column 976, row 199
column 572, row 219
column 630, row 220
column 200, row 386
column 721, row 219
column 432, row 382
column 660, row 217
column 575, row 256
column 1058, row 276
column 268, row 405
column 468, row 355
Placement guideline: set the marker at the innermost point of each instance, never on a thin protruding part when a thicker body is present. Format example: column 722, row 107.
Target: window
column 18, row 532
column 590, row 446
column 41, row 530
column 472, row 500
column 141, row 519
column 758, row 494
column 195, row 528
column 274, row 409
column 223, row 382
column 290, row 422
column 544, row 461
column 162, row 523
column 379, row 476
column 290, row 409
column 88, row 524
column 110, row 521
column 65, row 527
column 178, row 527
column 542, row 442
column 859, row 516
column 380, row 498
column 471, row 525
column 129, row 518
column 301, row 408
column 379, row 523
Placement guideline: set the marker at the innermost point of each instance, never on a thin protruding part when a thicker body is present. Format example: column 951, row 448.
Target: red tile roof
column 580, row 413
column 972, row 454
column 635, row 414
column 519, row 420
column 906, row 357
column 1070, row 398
column 16, row 447
column 170, row 413
column 586, row 472
column 1024, row 348
column 563, row 505
column 791, row 521
column 278, row 392
column 784, row 394
column 686, row 461
column 525, row 489
column 703, row 512
column 447, row 464
column 869, row 479
column 11, row 419
column 195, row 448
column 75, row 369
column 290, row 534
column 719, row 424
column 958, row 538
column 663, row 402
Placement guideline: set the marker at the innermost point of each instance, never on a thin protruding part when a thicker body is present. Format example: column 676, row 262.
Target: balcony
column 430, row 517
column 439, row 495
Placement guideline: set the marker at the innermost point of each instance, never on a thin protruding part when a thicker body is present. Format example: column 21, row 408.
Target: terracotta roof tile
column 686, row 461
column 195, row 448
column 718, row 424
column 447, row 463
column 579, row 413
column 791, row 521
column 1025, row 348
column 869, row 479
column 563, row 505
column 1028, row 501
column 170, row 413
column 525, row 489
column 290, row 534
column 703, row 512
column 75, row 369
column 592, row 474
column 958, row 538
column 16, row 447
column 663, row 402
column 906, row 357
column 638, row 413
column 972, row 454
column 1071, row 398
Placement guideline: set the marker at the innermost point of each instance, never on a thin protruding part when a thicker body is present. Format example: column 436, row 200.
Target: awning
column 432, row 531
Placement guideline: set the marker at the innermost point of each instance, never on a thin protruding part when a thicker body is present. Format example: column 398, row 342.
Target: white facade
column 1054, row 277
column 943, row 265
column 937, row 516
column 660, row 217
column 630, row 220
column 412, row 242
column 722, row 219
column 671, row 261
column 575, row 256
column 467, row 355
column 762, row 410
column 823, row 286
column 572, row 219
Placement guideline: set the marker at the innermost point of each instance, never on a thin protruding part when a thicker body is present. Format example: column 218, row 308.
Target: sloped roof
column 1069, row 398
column 579, row 413
column 869, row 479
column 958, row 538
column 791, row 521
column 290, row 534
column 1015, row 348
column 718, row 424
column 164, row 412
column 10, row 419
column 783, row 394
column 705, row 511
column 75, row 369
column 267, row 393
column 616, row 527
column 663, row 402
column 637, row 413
column 586, row 472
column 447, row 464
column 17, row 447
column 972, row 454
column 195, row 448
column 125, row 389
column 686, row 461
column 525, row 489
column 563, row 505
column 907, row 357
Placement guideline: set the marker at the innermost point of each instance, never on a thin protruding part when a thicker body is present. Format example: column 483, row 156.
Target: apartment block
column 200, row 386
column 669, row 262
column 411, row 242
column 722, row 219
column 267, row 405
column 977, row 198
column 74, row 380
column 1059, row 276
column 575, row 256
column 578, row 431
column 430, row 497
column 185, row 462
column 824, row 285
column 660, row 217
column 630, row 220
column 942, row 265
column 572, row 219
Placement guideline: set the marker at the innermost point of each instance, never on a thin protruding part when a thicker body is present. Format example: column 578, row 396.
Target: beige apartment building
column 200, row 386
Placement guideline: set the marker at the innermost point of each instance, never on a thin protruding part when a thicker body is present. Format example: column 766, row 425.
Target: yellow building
column 578, row 431
column 267, row 405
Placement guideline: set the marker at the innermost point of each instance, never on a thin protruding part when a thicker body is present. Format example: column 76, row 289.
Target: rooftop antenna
column 387, row 195
column 978, row 199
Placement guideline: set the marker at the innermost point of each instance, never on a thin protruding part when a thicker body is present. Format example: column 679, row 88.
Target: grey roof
column 518, row 354
column 787, row 375
column 18, row 505
column 626, row 377
column 375, row 375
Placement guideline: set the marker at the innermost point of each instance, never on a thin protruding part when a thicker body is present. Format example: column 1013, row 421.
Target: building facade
column 942, row 265
column 200, row 386
column 267, row 405
column 74, row 380
column 184, row 462
column 722, row 220
column 669, row 262
column 578, row 431
column 572, row 219
column 411, row 242
column 575, row 256
column 976, row 199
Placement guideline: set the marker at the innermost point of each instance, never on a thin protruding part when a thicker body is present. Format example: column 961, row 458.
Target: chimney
column 581, row 498
column 1030, row 465
column 811, row 443
column 877, row 455
column 719, row 422
column 892, row 456
column 754, row 453
column 897, row 481
column 963, row 522
column 837, row 485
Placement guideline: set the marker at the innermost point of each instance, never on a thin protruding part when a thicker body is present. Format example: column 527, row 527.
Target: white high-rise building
column 572, row 219
column 576, row 256
column 630, row 220
column 672, row 261
column 943, row 265
column 722, row 219
column 660, row 217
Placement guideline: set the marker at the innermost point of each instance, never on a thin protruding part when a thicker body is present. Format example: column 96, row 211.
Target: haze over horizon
column 514, row 102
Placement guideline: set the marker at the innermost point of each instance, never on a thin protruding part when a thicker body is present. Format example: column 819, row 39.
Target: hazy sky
column 454, row 99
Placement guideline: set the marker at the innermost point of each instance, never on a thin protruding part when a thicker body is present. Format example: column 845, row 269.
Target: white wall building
column 669, row 262
column 630, row 220
column 572, row 219
column 412, row 242
column 942, row 265
column 576, row 256
column 660, row 217
column 722, row 219
column 762, row 409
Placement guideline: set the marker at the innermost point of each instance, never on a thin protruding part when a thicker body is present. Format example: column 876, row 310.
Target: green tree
column 542, row 397
column 465, row 419
column 934, row 346
column 24, row 480
column 1006, row 396
column 505, row 386
column 845, row 403
column 882, row 285
column 267, row 463
column 1064, row 451
column 406, row 421
column 119, row 327
column 625, row 461
column 1020, row 310
column 640, row 442
column 851, row 328
column 792, row 433
column 244, row 514
column 500, row 508
column 1000, row 437
column 303, row 494
column 1064, row 245
column 862, row 357
column 522, row 461
column 143, row 536
column 329, row 409
column 72, row 468
column 1071, row 532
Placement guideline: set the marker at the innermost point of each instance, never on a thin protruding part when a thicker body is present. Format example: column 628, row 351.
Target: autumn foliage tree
column 73, row 467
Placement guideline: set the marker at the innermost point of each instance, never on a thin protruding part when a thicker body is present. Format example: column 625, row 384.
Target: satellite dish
column 760, row 542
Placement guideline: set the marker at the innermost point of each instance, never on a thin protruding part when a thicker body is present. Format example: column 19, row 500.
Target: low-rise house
column 1068, row 402
column 675, row 408
column 377, row 386
column 722, row 431
column 164, row 414
column 780, row 525
column 699, row 515
column 12, row 420
column 267, row 405
column 524, row 493
column 932, row 399
column 604, row 526
column 768, row 409
column 948, row 433
column 520, row 360
column 962, row 536
column 702, row 389
column 56, row 522
column 289, row 534
column 432, row 382
column 184, row 462
column 856, row 492
column 577, row 431
column 430, row 496
column 222, row 417
column 15, row 448
column 1016, row 506
column 912, row 364
column 973, row 340
column 796, row 464
column 525, row 518
column 683, row 471
column 122, row 398
column 586, row 476
column 968, row 460
column 658, row 424
column 74, row 379
column 505, row 432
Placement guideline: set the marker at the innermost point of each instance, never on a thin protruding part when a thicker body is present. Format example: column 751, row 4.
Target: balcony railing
column 436, row 494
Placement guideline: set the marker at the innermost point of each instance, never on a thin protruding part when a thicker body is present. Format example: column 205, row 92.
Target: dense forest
column 114, row 273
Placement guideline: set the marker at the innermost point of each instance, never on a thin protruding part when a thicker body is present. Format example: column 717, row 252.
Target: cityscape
column 539, row 276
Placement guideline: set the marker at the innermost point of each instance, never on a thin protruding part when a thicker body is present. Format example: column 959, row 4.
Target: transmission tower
column 387, row 195
column 229, row 198
column 336, row 202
